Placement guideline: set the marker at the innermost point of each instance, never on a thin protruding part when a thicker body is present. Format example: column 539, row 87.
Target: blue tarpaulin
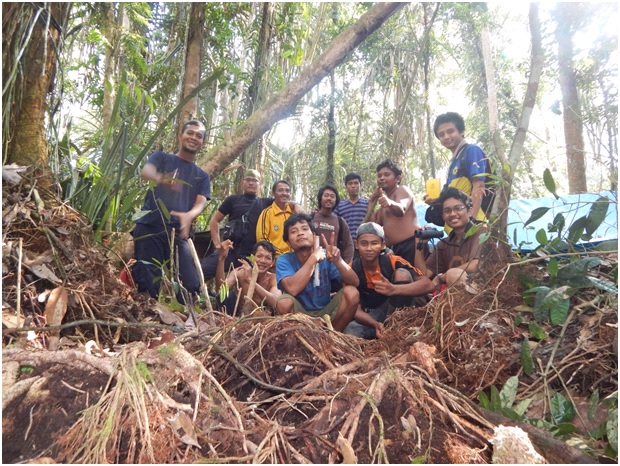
column 572, row 207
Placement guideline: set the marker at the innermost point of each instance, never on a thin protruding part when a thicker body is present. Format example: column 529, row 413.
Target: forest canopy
column 123, row 72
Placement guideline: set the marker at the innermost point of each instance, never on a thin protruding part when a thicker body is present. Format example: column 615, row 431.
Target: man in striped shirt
column 353, row 210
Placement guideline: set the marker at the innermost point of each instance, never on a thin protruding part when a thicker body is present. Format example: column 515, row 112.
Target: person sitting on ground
column 326, row 222
column 266, row 289
column 309, row 292
column 387, row 282
column 457, row 255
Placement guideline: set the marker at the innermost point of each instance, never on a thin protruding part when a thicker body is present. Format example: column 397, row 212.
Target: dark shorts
column 405, row 249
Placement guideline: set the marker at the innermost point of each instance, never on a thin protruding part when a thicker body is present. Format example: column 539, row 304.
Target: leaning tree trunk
column 31, row 38
column 283, row 104
column 573, row 126
column 509, row 165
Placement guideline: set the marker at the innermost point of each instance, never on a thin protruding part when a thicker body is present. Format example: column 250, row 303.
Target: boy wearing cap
column 305, row 275
column 235, row 206
column 385, row 279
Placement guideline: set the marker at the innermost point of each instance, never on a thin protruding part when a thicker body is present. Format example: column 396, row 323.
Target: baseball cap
column 372, row 228
column 252, row 173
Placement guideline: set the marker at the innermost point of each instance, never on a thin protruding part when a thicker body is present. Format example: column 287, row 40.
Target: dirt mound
column 131, row 381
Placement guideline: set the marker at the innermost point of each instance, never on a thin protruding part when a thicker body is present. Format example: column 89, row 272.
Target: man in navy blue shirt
column 184, row 189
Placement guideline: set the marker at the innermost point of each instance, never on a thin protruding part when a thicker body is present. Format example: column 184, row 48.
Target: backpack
column 433, row 212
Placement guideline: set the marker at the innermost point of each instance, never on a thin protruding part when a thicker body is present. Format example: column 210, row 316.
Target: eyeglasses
column 251, row 180
column 456, row 208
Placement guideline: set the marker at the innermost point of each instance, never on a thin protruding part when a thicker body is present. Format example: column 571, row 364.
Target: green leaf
column 164, row 209
column 541, row 307
column 526, row 357
column 536, row 332
column 552, row 267
column 138, row 215
column 559, row 222
column 563, row 428
column 558, row 311
column 508, row 393
column 592, row 405
column 224, row 292
column 575, row 231
column 518, row 320
column 541, row 237
column 484, row 401
column 575, row 275
column 536, row 214
column 510, row 414
column 612, row 429
column 603, row 285
column 522, row 406
column 611, row 245
column 550, row 182
column 562, row 409
column 495, row 400
column 598, row 212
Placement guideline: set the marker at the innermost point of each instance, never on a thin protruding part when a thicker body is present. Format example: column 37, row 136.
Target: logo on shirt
column 276, row 227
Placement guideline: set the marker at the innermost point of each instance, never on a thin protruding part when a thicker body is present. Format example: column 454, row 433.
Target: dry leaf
column 55, row 311
column 184, row 429
column 348, row 454
column 43, row 271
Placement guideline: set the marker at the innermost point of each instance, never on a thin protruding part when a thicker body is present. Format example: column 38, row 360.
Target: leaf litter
column 131, row 383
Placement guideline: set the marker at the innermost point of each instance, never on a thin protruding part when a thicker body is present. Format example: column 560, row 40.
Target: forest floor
column 93, row 372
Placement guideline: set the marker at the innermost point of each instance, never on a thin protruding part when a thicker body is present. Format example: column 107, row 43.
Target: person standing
column 184, row 189
column 352, row 210
column 306, row 290
column 235, row 207
column 270, row 224
column 469, row 166
column 397, row 213
column 326, row 222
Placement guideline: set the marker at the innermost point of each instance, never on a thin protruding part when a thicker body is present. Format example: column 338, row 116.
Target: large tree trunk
column 283, row 104
column 573, row 126
column 193, row 59
column 30, row 75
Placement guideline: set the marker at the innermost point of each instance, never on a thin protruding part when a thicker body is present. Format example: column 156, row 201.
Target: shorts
column 331, row 309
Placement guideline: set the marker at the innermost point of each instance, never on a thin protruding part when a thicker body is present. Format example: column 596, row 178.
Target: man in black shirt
column 236, row 206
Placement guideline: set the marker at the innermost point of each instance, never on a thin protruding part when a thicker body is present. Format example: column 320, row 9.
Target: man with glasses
column 235, row 207
column 458, row 254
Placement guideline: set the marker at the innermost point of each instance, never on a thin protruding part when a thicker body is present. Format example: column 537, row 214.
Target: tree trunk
column 331, row 131
column 573, row 126
column 283, row 104
column 33, row 74
column 193, row 59
column 492, row 250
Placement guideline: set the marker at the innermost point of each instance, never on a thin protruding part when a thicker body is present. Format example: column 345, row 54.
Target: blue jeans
column 152, row 249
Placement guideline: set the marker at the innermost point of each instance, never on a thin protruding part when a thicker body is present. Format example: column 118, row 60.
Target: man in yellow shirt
column 270, row 225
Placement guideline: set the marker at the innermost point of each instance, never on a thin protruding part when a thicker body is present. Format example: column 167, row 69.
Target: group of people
column 353, row 260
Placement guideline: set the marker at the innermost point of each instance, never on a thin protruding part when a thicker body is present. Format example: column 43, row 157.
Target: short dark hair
column 275, row 185
column 193, row 123
column 296, row 218
column 450, row 117
column 451, row 192
column 352, row 176
column 325, row 188
column 267, row 246
column 390, row 165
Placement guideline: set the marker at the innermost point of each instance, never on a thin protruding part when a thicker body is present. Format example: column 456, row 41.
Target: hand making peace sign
column 332, row 253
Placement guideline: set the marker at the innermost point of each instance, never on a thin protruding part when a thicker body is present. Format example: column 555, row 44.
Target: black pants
column 405, row 249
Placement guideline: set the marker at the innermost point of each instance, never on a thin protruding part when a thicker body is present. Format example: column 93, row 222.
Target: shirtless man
column 266, row 290
column 397, row 213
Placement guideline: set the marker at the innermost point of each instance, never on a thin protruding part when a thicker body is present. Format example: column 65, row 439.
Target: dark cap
column 370, row 228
